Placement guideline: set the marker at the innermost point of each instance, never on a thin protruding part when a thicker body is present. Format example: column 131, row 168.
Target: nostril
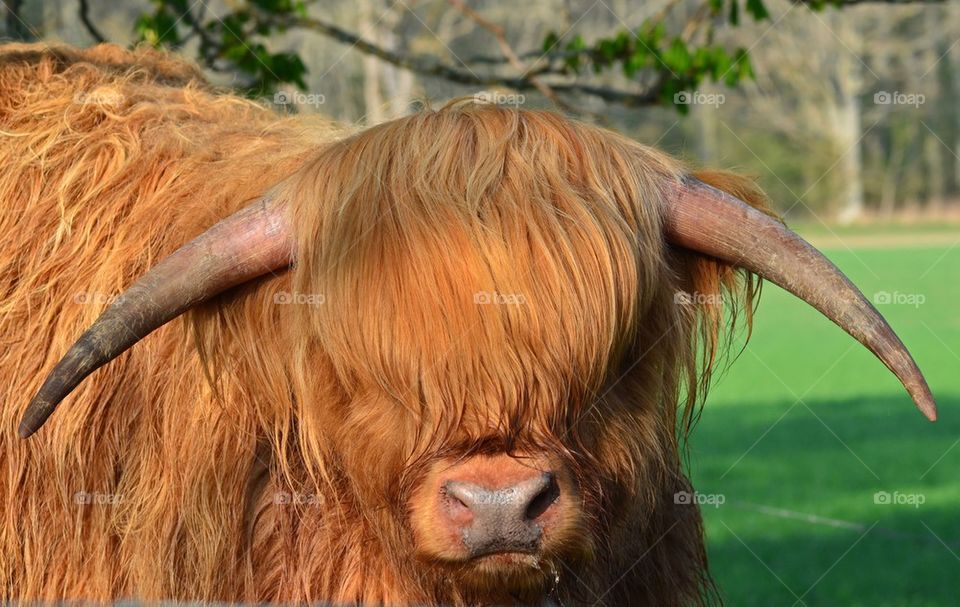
column 500, row 511
column 544, row 498
column 457, row 501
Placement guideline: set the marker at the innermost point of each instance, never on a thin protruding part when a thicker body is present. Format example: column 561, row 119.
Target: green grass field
column 805, row 428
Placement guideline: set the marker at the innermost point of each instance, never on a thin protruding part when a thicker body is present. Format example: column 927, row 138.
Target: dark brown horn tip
column 39, row 409
column 28, row 426
column 36, row 414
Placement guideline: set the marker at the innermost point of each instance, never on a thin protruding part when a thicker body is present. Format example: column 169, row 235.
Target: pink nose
column 493, row 517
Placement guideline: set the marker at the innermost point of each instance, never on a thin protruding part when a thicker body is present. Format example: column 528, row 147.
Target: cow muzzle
column 502, row 519
column 493, row 505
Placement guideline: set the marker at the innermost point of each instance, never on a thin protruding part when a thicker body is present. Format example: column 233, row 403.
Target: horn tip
column 25, row 430
column 924, row 401
column 34, row 417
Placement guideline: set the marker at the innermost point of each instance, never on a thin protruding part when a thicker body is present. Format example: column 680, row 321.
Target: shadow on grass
column 802, row 511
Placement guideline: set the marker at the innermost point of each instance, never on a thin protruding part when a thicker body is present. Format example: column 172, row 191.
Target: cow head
column 500, row 355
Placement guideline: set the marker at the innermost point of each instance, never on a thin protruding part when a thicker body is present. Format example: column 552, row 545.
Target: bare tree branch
column 842, row 3
column 431, row 66
column 699, row 18
column 16, row 27
column 508, row 52
column 87, row 23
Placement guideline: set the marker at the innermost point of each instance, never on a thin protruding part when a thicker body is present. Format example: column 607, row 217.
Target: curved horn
column 707, row 220
column 250, row 243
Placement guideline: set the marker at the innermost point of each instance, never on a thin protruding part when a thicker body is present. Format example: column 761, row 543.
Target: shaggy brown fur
column 256, row 451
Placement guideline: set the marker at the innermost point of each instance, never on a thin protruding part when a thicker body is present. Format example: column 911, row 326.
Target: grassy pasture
column 806, row 427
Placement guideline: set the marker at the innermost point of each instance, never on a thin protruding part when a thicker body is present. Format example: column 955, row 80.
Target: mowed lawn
column 806, row 427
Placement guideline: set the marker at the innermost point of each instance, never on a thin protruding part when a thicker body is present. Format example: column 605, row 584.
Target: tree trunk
column 851, row 163
column 16, row 21
column 706, row 117
column 372, row 95
column 933, row 166
column 933, row 159
column 397, row 82
column 903, row 135
column 954, row 59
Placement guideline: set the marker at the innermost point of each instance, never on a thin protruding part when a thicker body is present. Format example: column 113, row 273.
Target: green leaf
column 623, row 42
column 721, row 63
column 271, row 6
column 734, row 12
column 158, row 29
column 639, row 59
column 288, row 67
column 651, row 35
column 658, row 33
column 702, row 59
column 739, row 68
column 757, row 10
column 668, row 96
column 745, row 67
column 606, row 50
column 677, row 56
column 550, row 42
column 235, row 52
column 575, row 47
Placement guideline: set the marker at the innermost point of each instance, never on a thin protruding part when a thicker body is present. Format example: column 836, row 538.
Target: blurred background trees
column 844, row 110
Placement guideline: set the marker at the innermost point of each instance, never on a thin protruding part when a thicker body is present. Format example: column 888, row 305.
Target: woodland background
column 843, row 110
